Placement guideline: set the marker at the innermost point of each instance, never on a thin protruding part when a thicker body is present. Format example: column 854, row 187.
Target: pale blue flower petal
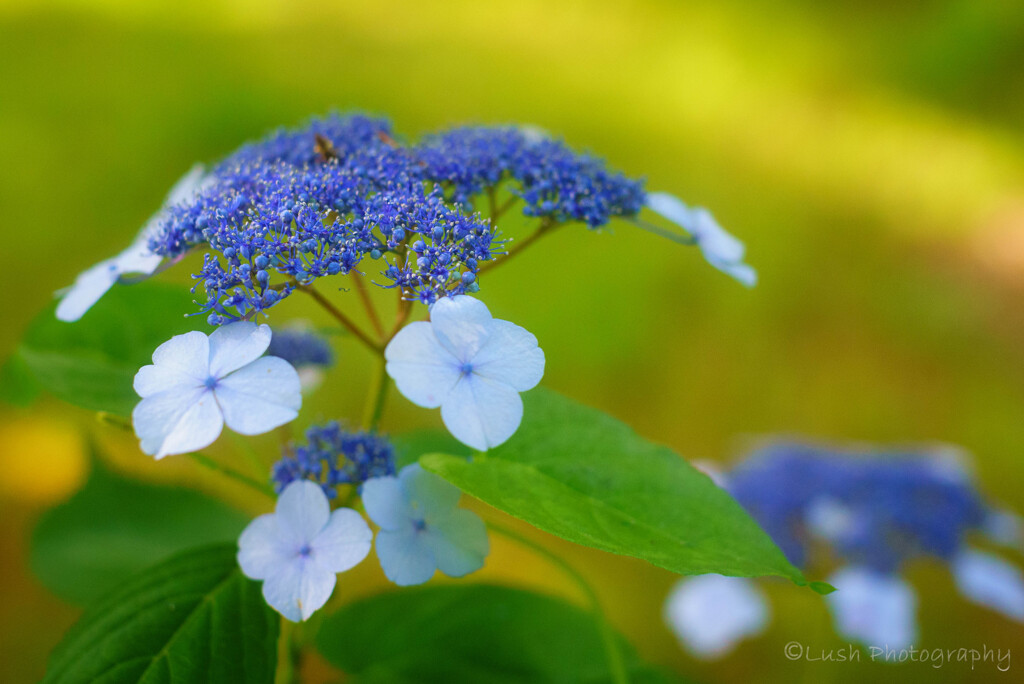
column 387, row 503
column 710, row 614
column 261, row 396
column 459, row 542
column 671, row 208
column 235, row 345
column 432, row 497
column 176, row 422
column 137, row 259
column 423, row 370
column 510, row 355
column 152, row 380
column 343, row 543
column 744, row 274
column 405, row 556
column 188, row 353
column 299, row 588
column 482, row 413
column 461, row 324
column 716, row 244
column 263, row 549
column 990, row 581
column 873, row 608
column 302, row 512
column 89, row 286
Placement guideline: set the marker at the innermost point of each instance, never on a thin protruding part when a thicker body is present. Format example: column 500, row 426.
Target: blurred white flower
column 710, row 614
column 874, row 608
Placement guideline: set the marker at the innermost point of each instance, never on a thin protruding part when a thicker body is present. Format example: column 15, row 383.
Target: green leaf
column 580, row 474
column 409, row 446
column 114, row 527
column 92, row 362
column 192, row 619
column 470, row 633
column 17, row 384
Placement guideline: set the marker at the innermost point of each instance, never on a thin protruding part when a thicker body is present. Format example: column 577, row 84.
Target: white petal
column 510, row 355
column 151, row 380
column 710, row 614
column 423, row 370
column 386, row 503
column 302, row 512
column 262, row 550
column 431, row 496
column 188, row 185
column 137, row 259
column 876, row 609
column 714, row 241
column 89, row 286
column 235, row 345
column 343, row 543
column 671, row 208
column 743, row 273
column 188, row 353
column 405, row 556
column 176, row 422
column 260, row 397
column 482, row 413
column 990, row 581
column 299, row 589
column 459, row 543
column 461, row 324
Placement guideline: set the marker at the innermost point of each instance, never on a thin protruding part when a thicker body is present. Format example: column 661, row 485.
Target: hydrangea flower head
column 136, row 259
column 198, row 383
column 422, row 529
column 874, row 608
column 298, row 549
column 720, row 249
column 335, row 456
column 711, row 613
column 471, row 365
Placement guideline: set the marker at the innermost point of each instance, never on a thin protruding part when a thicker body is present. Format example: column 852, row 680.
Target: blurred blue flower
column 422, row 529
column 298, row 549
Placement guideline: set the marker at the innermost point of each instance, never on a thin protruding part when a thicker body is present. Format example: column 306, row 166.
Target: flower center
column 211, row 382
column 306, row 551
column 466, row 368
column 419, row 525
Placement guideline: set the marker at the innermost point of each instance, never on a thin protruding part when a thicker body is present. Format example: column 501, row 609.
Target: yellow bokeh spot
column 43, row 459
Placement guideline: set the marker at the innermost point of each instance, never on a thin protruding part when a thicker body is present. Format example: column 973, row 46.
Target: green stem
column 616, row 665
column 546, row 226
column 207, row 462
column 377, row 397
column 342, row 318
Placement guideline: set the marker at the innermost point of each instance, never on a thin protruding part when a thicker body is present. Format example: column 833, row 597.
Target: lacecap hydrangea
column 867, row 515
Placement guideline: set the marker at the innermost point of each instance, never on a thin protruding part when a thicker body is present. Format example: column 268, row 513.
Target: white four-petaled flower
column 198, row 383
column 299, row 549
column 710, row 614
column 94, row 282
column 874, row 608
column 471, row 365
column 422, row 529
column 720, row 249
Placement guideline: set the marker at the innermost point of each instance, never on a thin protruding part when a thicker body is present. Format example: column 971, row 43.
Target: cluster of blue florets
column 873, row 509
column 334, row 456
column 300, row 348
column 340, row 193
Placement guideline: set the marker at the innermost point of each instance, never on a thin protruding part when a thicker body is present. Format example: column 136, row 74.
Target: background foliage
column 871, row 155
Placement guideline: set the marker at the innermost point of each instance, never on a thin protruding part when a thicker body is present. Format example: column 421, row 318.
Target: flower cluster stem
column 377, row 396
column 613, row 653
column 209, row 463
column 347, row 322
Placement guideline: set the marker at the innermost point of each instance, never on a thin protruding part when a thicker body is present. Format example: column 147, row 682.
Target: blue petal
column 432, row 497
column 387, row 503
column 302, row 512
column 423, row 370
column 990, row 581
column 510, row 355
column 461, row 324
column 343, row 543
column 262, row 548
column 405, row 556
column 710, row 614
column 176, row 422
column 299, row 588
column 874, row 608
column 261, row 396
column 236, row 344
column 459, row 542
column 482, row 413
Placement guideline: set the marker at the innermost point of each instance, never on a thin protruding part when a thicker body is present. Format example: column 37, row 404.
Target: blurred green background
column 871, row 155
